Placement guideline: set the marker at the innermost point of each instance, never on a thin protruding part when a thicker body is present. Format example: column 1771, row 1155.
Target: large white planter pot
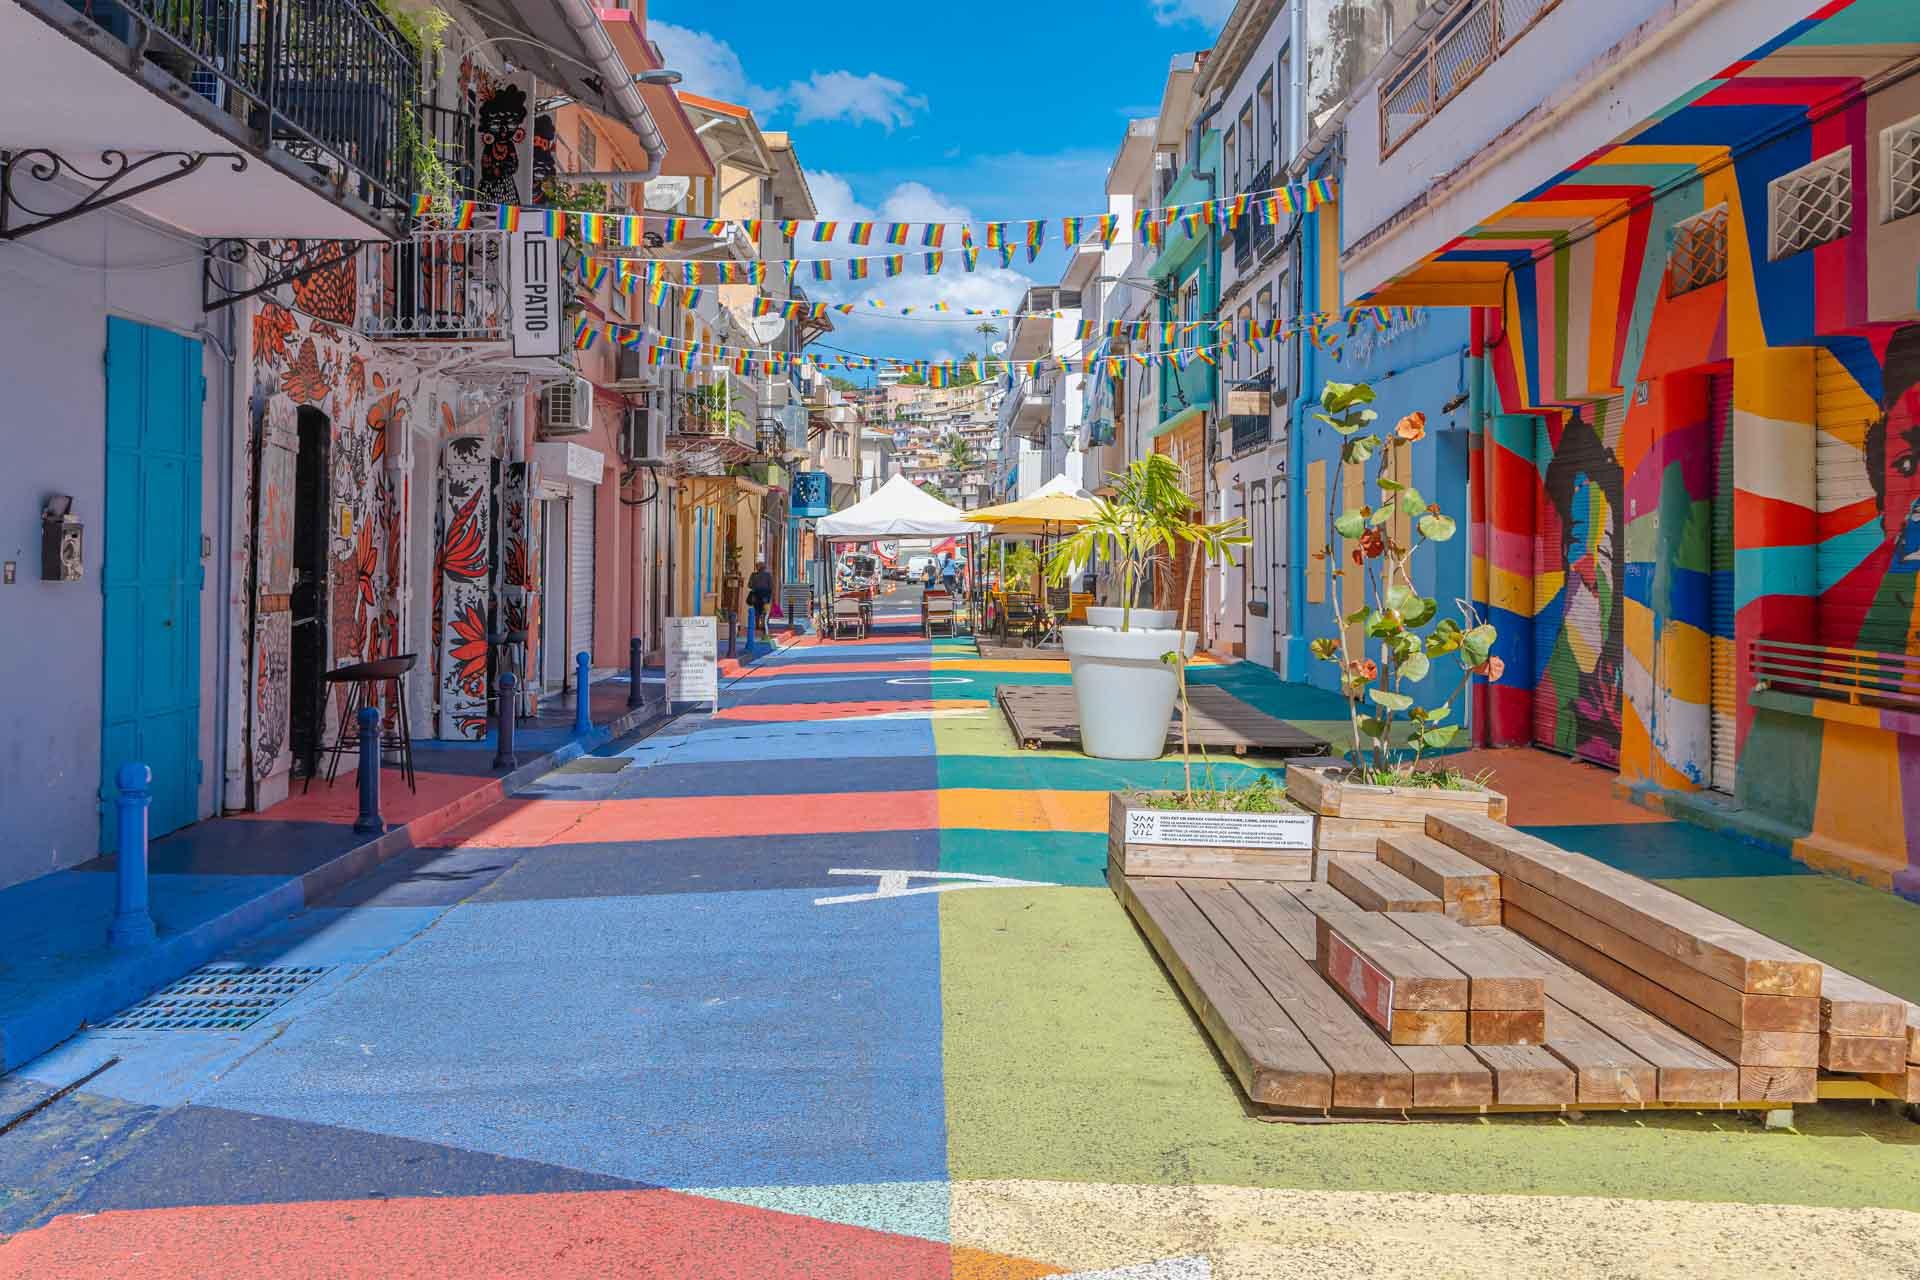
column 1143, row 619
column 1124, row 692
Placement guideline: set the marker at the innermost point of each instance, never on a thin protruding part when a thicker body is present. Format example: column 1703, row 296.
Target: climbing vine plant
column 1395, row 617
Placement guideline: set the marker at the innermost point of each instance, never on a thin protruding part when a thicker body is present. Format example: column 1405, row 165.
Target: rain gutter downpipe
column 620, row 93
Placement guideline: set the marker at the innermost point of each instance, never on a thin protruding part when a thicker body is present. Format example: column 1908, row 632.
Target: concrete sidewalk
column 216, row 881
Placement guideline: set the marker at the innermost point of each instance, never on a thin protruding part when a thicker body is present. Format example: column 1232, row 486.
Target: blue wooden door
column 151, row 571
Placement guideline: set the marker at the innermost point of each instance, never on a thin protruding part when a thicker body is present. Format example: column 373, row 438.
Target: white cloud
column 842, row 95
column 709, row 66
column 833, row 197
column 712, row 68
column 1211, row 14
column 917, row 202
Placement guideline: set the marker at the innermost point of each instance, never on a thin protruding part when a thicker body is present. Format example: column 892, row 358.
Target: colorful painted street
column 830, row 984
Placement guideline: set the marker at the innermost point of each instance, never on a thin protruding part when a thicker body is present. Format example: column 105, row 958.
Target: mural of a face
column 1584, row 483
column 503, row 126
column 1893, row 449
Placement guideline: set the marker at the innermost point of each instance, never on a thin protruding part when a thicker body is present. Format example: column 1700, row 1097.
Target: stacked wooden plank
column 1354, row 815
column 1746, row 997
column 1905, row 1083
column 1467, row 891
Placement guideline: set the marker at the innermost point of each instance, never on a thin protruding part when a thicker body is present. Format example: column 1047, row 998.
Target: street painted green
column 1861, row 930
column 1070, row 1056
column 1057, row 770
column 1056, row 857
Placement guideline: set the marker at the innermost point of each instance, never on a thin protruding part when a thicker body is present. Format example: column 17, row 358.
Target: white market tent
column 1059, row 485
column 898, row 509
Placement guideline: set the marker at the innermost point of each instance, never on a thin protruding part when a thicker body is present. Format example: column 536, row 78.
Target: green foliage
column 1396, row 611
column 1147, row 518
column 1263, row 795
column 711, row 405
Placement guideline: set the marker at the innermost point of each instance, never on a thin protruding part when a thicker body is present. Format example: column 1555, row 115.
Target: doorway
column 151, row 573
column 312, row 500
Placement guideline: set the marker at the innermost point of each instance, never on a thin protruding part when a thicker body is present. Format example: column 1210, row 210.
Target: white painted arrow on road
column 897, row 884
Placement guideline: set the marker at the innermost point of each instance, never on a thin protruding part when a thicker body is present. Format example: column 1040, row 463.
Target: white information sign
column 1220, row 830
column 693, row 656
column 533, row 289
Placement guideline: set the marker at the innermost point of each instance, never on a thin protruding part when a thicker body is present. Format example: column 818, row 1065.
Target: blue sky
column 940, row 112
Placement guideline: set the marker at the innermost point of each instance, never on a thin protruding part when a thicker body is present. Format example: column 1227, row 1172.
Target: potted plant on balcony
column 1125, row 679
column 710, row 412
column 1387, row 782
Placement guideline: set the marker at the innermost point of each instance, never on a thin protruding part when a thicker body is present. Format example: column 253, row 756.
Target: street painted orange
column 695, row 817
column 984, row 809
column 648, row 1234
column 1546, row 790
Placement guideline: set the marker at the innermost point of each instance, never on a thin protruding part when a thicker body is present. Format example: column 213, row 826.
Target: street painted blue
column 801, row 861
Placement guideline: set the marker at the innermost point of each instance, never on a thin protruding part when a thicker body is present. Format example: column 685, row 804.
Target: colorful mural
column 461, row 586
column 1777, row 393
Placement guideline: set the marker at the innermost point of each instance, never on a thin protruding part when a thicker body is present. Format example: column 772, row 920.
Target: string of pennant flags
column 666, row 350
column 1151, row 224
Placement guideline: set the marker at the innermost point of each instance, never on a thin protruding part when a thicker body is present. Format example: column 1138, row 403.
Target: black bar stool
column 395, row 736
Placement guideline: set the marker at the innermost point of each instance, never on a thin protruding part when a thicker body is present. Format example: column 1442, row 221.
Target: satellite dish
column 766, row 328
column 665, row 193
column 999, row 348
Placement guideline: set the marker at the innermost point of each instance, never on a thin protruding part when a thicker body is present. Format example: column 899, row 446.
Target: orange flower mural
column 470, row 653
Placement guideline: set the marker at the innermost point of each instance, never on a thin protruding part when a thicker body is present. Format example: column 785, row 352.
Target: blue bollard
column 582, row 684
column 636, row 660
column 132, row 922
column 503, row 757
column 753, row 627
column 369, row 821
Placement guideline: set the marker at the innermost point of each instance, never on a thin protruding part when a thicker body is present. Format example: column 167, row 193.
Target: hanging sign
column 533, row 282
column 812, row 494
column 693, row 655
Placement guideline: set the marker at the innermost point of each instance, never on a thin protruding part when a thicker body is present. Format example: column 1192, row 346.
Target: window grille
column 1697, row 254
column 1811, row 206
column 1901, row 144
column 1448, row 60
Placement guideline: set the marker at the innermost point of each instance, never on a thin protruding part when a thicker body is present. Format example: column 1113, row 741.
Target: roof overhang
column 1239, row 37
column 731, row 134
column 685, row 158
column 1803, row 74
column 1176, row 100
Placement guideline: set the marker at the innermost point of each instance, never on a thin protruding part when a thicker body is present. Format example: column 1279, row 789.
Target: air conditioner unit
column 631, row 370
column 566, row 408
column 641, row 438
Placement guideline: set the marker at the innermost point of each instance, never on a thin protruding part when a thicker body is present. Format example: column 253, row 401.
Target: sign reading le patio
column 1220, row 830
column 533, row 277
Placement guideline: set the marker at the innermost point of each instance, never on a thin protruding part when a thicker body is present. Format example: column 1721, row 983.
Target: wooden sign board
column 1249, row 404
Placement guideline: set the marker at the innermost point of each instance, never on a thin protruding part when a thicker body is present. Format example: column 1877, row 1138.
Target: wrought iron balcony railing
column 328, row 81
column 436, row 284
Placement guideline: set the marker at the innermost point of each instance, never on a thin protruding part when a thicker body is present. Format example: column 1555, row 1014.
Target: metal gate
column 1722, row 676
column 580, row 525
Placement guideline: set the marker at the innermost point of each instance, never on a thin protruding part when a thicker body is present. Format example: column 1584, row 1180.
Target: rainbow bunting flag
column 422, row 206
column 859, row 233
column 714, row 229
column 897, row 232
column 1036, row 236
column 790, row 228
column 629, row 233
column 657, row 294
column 1109, row 227
column 939, row 306
column 893, row 264
column 753, row 229
column 933, row 262
column 823, row 268
column 970, row 256
column 692, row 298
column 673, row 230
column 996, row 235
column 1069, row 232
column 856, row 268
column 933, row 235
column 823, row 231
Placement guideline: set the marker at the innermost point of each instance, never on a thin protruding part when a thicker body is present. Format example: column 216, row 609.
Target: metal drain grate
column 216, row 998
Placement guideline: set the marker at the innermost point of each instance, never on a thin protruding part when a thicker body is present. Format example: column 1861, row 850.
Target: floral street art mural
column 1762, row 480
column 461, row 585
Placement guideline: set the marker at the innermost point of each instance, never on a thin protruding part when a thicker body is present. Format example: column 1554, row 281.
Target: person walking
column 759, row 597
column 950, row 573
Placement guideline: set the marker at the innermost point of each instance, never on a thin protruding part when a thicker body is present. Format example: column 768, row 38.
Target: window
column 1243, row 359
column 1811, row 206
column 1243, row 178
column 1900, row 161
column 589, row 154
column 1697, row 251
column 1263, row 316
column 1282, row 144
column 1230, row 151
column 1263, row 138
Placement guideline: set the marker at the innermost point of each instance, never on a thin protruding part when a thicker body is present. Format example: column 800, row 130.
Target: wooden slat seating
column 1374, row 887
column 849, row 614
column 1468, row 892
column 1736, row 991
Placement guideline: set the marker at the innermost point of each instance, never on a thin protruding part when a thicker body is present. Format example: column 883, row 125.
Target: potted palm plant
column 1127, row 676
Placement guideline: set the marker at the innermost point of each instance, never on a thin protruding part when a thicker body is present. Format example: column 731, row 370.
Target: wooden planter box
column 1230, row 846
column 1354, row 815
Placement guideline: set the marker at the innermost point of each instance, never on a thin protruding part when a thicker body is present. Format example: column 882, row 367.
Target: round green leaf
column 1387, row 700
column 1415, row 667
column 1436, row 528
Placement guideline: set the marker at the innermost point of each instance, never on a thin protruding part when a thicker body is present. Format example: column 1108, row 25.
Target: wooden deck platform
column 1045, row 716
column 1243, row 954
column 997, row 652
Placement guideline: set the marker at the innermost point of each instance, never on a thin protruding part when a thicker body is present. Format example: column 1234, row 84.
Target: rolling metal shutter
column 580, row 572
column 1722, row 674
column 1848, row 509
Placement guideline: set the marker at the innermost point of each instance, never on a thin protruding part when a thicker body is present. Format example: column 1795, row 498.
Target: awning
column 898, row 509
column 1817, row 62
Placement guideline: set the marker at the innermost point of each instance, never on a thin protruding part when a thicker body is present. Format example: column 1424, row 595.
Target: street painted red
column 662, row 1234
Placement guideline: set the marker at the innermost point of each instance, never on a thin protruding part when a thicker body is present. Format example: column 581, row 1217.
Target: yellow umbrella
column 1042, row 513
